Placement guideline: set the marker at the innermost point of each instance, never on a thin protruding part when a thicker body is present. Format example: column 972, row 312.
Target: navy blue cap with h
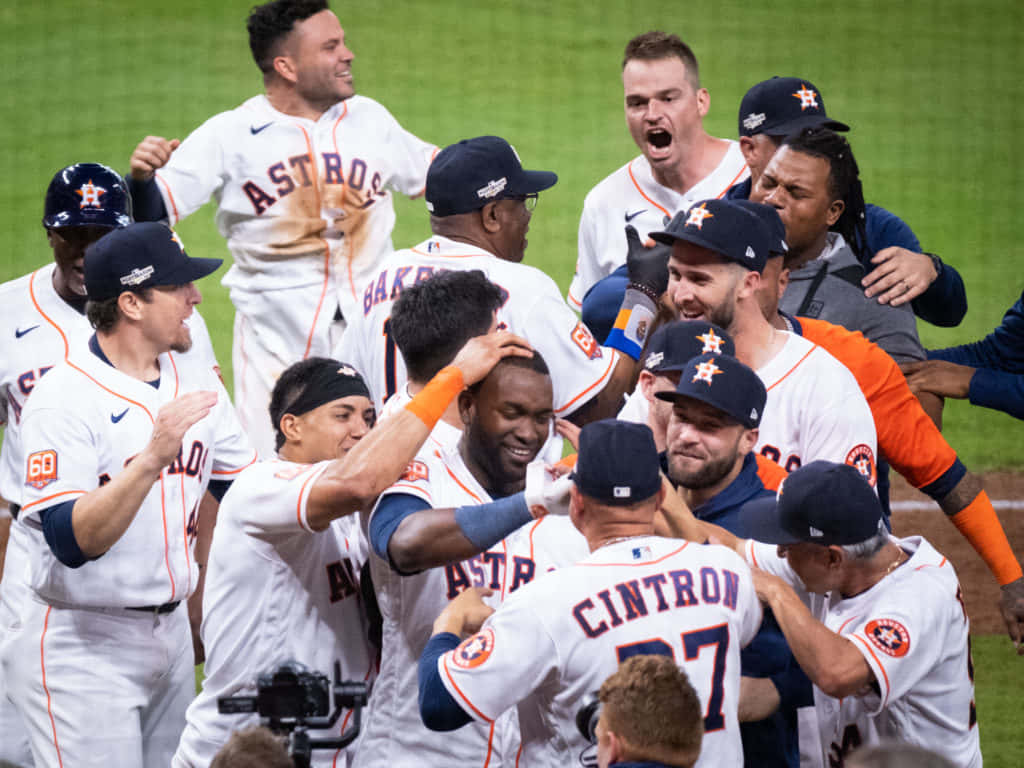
column 466, row 176
column 618, row 463
column 140, row 256
column 721, row 226
column 782, row 106
column 723, row 382
column 674, row 344
column 819, row 503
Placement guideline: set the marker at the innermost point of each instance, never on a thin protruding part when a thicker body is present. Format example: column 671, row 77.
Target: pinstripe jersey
column 75, row 444
column 554, row 641
column 912, row 629
column 631, row 195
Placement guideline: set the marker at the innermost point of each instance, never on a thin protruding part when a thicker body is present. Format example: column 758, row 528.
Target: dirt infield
column 980, row 589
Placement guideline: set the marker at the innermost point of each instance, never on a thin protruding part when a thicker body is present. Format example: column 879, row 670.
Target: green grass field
column 933, row 90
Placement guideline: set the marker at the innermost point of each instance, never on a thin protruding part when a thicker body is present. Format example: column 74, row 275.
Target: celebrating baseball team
column 643, row 524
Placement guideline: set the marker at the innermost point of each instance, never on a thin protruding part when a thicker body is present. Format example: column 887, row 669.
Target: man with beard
column 445, row 527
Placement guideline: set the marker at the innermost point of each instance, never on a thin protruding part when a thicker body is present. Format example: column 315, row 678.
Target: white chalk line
column 1014, row 505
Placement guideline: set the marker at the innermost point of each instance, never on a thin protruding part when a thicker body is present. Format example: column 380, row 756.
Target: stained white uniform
column 40, row 328
column 117, row 681
column 912, row 629
column 534, row 309
column 275, row 591
column 553, row 642
column 631, row 195
column 394, row 734
column 307, row 213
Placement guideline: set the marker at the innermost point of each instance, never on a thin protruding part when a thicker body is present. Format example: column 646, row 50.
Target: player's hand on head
column 466, row 613
column 900, row 276
column 172, row 422
column 1011, row 606
column 481, row 353
column 569, row 431
column 647, row 263
column 152, row 153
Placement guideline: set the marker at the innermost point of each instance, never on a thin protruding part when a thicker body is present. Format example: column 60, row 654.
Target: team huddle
column 483, row 500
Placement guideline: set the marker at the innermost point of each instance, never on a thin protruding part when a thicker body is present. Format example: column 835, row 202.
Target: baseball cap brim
column 760, row 521
column 530, row 182
column 190, row 271
column 808, row 121
column 674, row 397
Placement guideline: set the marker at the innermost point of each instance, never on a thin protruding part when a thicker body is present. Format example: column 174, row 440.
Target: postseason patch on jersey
column 415, row 472
column 863, row 458
column 475, row 650
column 583, row 339
column 41, row 469
column 889, row 636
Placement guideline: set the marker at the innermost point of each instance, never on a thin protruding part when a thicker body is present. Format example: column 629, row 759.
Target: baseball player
column 283, row 574
column 461, row 516
column 878, row 623
column 480, row 200
column 101, row 666
column 45, row 310
column 679, row 162
column 556, row 640
column 302, row 177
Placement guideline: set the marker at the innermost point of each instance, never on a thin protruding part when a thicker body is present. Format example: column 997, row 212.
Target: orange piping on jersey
column 54, row 496
column 46, row 317
column 115, row 394
column 414, row 488
column 327, row 248
column 885, row 677
column 344, row 183
column 476, row 498
column 734, row 180
column 481, row 715
column 252, row 461
column 167, row 191
column 490, row 746
column 629, row 170
column 598, row 383
column 795, row 366
column 167, row 545
column 841, row 628
column 931, row 565
column 302, row 495
column 573, row 301
column 519, row 753
column 42, row 666
column 174, row 367
column 750, row 553
column 423, row 191
column 646, row 562
column 452, row 255
column 184, row 530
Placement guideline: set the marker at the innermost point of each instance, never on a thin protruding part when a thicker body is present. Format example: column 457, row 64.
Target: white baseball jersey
column 533, row 309
column 394, row 734
column 275, row 591
column 815, row 411
column 72, row 446
column 912, row 629
column 631, row 195
column 553, row 642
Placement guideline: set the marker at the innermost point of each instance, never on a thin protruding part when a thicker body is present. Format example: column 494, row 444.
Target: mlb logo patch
column 642, row 553
column 41, row 469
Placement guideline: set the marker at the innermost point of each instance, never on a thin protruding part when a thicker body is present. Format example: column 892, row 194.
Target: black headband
column 329, row 382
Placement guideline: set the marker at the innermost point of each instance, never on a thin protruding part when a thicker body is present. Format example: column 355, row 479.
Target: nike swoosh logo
column 18, row 333
column 254, row 130
column 116, row 417
column 631, row 216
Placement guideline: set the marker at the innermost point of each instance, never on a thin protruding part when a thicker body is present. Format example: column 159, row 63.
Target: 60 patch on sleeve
column 41, row 468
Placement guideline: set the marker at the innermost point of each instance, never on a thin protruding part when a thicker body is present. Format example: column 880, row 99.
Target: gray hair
column 868, row 548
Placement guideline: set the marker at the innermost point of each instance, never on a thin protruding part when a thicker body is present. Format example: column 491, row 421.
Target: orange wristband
column 432, row 401
column 980, row 526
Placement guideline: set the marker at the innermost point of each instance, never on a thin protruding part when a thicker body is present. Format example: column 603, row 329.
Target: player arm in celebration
column 377, row 460
column 151, row 154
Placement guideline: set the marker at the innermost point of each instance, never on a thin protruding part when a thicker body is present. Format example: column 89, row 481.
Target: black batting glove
column 647, row 267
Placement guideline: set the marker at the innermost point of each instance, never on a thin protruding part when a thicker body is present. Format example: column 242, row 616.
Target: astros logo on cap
column 697, row 216
column 90, row 195
column 712, row 342
column 706, row 372
column 175, row 238
column 808, row 97
column 347, row 370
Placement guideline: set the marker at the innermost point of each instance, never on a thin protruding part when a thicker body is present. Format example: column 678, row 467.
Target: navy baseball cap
column 674, row 344
column 728, row 229
column 464, row 177
column 725, row 383
column 784, row 105
column 618, row 462
column 777, row 245
column 819, row 503
column 140, row 256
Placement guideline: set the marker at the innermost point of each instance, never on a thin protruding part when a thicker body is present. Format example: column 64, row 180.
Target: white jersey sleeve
column 232, row 450
column 276, row 494
column 196, row 170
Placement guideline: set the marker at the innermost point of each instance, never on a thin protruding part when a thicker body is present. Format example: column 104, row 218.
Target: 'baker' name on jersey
column 660, row 592
column 302, row 174
column 487, row 570
column 388, row 289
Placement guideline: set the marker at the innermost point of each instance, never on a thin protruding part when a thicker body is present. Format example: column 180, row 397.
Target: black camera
column 293, row 699
column 587, row 716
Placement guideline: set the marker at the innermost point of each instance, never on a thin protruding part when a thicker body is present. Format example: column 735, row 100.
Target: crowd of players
column 387, row 491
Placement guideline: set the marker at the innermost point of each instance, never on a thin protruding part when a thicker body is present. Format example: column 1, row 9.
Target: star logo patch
column 697, row 215
column 712, row 342
column 706, row 372
column 90, row 195
column 808, row 98
column 889, row 636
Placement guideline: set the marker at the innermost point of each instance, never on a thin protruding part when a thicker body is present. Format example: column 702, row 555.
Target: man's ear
column 466, row 406
column 747, row 148
column 291, row 428
column 835, row 210
column 490, row 219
